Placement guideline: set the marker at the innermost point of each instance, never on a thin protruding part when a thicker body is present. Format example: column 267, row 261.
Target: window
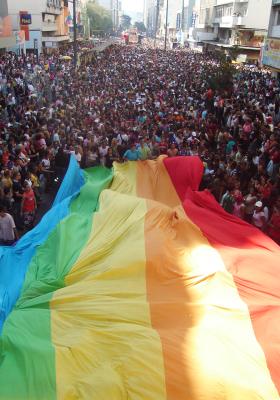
column 224, row 11
column 278, row 18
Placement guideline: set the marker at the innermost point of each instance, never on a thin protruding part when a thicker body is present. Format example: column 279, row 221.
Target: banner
column 20, row 37
column 24, row 27
column 271, row 53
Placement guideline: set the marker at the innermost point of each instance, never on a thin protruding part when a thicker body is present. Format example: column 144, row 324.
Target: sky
column 133, row 5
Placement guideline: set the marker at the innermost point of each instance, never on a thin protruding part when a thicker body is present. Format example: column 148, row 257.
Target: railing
column 229, row 21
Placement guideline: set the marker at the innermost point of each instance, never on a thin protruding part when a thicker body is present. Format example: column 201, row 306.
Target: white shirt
column 258, row 219
column 7, row 226
column 78, row 157
column 103, row 151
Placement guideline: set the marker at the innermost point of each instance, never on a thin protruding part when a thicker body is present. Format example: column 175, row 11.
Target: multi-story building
column 150, row 16
column 188, row 15
column 45, row 23
column 233, row 23
column 7, row 38
column 115, row 8
column 174, row 8
column 185, row 19
column 271, row 49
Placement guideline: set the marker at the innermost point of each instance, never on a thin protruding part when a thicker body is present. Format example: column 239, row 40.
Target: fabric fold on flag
column 144, row 289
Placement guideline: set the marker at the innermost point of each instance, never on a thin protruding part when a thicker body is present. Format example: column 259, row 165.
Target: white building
column 150, row 12
column 174, row 9
column 229, row 23
column 48, row 28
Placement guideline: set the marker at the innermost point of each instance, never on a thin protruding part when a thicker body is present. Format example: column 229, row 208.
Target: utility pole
column 166, row 25
column 183, row 23
column 156, row 27
column 75, row 33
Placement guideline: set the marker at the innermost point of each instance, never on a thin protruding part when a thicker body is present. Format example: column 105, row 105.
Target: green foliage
column 221, row 78
column 100, row 18
column 140, row 26
column 125, row 22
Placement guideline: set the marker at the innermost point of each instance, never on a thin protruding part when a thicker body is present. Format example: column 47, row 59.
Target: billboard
column 5, row 20
column 20, row 37
column 271, row 53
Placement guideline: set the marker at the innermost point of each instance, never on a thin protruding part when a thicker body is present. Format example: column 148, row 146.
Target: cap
column 259, row 204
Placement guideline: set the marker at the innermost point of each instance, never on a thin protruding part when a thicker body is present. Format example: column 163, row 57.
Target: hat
column 259, row 204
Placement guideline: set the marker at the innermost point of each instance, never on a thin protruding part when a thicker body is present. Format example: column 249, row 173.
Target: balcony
column 49, row 27
column 54, row 10
column 229, row 21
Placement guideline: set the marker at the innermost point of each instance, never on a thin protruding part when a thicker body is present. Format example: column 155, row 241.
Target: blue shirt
column 132, row 155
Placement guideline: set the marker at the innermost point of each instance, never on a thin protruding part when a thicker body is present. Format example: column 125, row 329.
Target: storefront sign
column 24, row 27
column 271, row 53
column 25, row 19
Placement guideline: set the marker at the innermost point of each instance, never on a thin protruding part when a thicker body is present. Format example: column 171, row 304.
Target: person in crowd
column 8, row 232
column 273, row 227
column 227, row 201
column 132, row 154
column 28, row 206
column 137, row 103
column 259, row 217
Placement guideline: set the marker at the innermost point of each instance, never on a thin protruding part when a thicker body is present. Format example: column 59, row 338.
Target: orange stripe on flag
column 209, row 347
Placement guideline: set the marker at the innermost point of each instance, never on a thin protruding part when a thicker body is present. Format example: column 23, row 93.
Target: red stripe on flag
column 252, row 258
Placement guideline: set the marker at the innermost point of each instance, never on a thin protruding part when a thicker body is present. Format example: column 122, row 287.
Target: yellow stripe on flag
column 125, row 178
column 106, row 347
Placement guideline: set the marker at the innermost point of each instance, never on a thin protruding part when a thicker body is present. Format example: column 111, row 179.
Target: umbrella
column 66, row 58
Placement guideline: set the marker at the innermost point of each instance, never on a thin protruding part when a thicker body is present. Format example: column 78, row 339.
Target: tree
column 140, row 26
column 221, row 78
column 125, row 22
column 100, row 19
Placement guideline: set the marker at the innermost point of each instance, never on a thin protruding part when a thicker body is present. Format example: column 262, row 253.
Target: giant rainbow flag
column 135, row 286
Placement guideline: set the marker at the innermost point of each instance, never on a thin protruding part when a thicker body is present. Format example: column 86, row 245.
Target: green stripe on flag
column 27, row 366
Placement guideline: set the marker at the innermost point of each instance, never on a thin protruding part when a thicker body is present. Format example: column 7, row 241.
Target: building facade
column 46, row 25
column 174, row 9
column 7, row 39
column 225, row 24
column 271, row 48
column 150, row 16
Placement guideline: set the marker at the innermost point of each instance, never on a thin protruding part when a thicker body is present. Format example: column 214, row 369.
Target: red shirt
column 28, row 201
column 5, row 157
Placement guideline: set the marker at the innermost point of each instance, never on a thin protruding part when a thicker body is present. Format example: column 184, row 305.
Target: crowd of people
column 136, row 103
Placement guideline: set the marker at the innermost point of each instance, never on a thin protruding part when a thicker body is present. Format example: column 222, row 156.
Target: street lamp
column 166, row 25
